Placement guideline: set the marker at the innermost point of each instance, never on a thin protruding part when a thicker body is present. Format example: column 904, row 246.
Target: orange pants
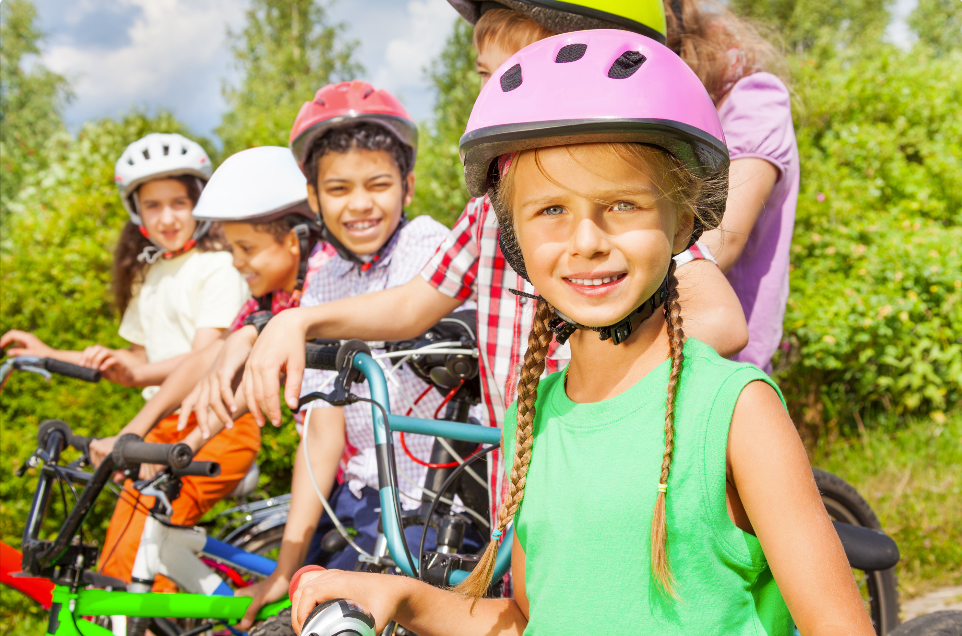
column 235, row 449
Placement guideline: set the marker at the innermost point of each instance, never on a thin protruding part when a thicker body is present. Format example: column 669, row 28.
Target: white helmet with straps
column 256, row 185
column 156, row 156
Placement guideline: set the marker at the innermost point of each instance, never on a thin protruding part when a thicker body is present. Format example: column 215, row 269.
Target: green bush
column 874, row 315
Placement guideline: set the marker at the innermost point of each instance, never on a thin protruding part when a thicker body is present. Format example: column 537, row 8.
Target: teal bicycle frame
column 438, row 428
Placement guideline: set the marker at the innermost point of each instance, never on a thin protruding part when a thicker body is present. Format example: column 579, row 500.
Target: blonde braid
column 660, row 566
column 476, row 584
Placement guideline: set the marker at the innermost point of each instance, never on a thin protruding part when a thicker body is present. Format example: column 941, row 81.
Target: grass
column 912, row 478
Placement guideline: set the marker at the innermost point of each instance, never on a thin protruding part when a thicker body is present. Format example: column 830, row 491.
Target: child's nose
column 589, row 240
column 360, row 201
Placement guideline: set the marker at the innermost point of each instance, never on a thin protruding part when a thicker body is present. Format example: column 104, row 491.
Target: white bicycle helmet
column 156, row 156
column 256, row 185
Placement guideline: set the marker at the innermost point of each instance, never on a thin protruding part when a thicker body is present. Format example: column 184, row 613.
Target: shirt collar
column 343, row 266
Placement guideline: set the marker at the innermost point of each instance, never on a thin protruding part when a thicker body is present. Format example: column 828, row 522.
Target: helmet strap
column 307, row 236
column 563, row 327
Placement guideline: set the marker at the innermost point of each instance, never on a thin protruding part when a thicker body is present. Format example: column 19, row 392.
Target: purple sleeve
column 757, row 120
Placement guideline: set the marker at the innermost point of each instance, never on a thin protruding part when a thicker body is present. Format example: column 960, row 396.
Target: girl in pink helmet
column 654, row 487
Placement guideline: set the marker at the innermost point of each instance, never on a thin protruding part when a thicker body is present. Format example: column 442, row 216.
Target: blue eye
column 554, row 210
column 623, row 206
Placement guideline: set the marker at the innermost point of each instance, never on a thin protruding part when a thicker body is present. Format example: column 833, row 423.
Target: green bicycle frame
column 68, row 606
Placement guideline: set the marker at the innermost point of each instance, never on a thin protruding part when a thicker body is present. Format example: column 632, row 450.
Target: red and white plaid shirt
column 469, row 265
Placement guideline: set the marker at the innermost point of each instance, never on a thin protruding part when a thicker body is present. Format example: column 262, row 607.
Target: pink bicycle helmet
column 592, row 86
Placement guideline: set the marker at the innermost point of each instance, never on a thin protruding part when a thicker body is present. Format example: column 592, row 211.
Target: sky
column 174, row 54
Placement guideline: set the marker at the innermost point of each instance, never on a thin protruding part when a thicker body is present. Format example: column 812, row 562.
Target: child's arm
column 326, row 439
column 752, row 181
column 770, row 471
column 392, row 314
column 130, row 367
column 424, row 609
column 710, row 308
column 31, row 345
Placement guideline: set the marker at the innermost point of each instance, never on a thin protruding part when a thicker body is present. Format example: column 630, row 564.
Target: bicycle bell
column 338, row 617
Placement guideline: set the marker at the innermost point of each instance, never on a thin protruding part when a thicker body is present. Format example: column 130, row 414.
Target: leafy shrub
column 874, row 315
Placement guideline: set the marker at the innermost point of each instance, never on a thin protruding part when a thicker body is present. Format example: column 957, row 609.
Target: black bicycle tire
column 277, row 625
column 846, row 505
column 263, row 541
column 944, row 623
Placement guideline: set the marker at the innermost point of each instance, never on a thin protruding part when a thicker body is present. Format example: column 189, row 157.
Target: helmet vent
column 626, row 65
column 368, row 93
column 183, row 151
column 130, row 160
column 166, row 150
column 571, row 53
column 146, row 154
column 511, row 78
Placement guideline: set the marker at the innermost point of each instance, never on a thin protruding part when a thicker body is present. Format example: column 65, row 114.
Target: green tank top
column 585, row 521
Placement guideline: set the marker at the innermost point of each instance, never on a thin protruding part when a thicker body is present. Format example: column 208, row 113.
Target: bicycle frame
column 439, row 428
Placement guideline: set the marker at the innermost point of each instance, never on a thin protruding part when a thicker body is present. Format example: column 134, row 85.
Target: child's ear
column 312, row 200
column 686, row 225
column 408, row 189
column 292, row 244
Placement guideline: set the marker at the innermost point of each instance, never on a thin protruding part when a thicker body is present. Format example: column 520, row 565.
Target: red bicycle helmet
column 349, row 103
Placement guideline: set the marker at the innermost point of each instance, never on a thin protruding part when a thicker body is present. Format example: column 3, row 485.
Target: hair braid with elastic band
column 476, row 585
column 660, row 565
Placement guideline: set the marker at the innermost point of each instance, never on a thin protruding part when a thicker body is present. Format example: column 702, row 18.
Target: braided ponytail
column 476, row 585
column 660, row 567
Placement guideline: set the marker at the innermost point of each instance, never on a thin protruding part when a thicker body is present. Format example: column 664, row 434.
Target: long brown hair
column 719, row 46
column 689, row 192
column 128, row 272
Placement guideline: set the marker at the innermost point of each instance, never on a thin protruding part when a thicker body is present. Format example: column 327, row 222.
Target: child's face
column 490, row 57
column 599, row 245
column 165, row 209
column 360, row 195
column 265, row 263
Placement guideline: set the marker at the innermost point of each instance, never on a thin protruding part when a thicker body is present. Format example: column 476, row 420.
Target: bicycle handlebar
column 197, row 469
column 71, row 370
column 321, row 357
column 129, row 450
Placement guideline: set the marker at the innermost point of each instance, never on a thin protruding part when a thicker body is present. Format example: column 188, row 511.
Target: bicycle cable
column 434, row 504
column 317, row 490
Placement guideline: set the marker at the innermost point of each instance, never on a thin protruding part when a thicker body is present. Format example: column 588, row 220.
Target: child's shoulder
column 423, row 228
column 709, row 374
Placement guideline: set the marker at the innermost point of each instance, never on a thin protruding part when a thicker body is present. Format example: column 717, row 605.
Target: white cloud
column 175, row 57
column 401, row 70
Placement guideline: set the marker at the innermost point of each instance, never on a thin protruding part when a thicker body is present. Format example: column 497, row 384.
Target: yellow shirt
column 179, row 296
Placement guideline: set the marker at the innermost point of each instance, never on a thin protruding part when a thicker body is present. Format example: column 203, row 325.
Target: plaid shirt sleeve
column 454, row 267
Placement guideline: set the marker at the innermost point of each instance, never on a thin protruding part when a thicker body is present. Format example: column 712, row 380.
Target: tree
column 31, row 99
column 804, row 24
column 440, row 179
column 285, row 53
column 938, row 23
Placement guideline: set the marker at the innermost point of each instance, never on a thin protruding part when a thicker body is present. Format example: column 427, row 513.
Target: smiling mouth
column 362, row 225
column 597, row 285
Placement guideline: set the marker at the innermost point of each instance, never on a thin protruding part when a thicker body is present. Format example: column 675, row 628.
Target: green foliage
column 31, row 98
column 938, row 24
column 803, row 24
column 440, row 180
column 875, row 312
column 286, row 52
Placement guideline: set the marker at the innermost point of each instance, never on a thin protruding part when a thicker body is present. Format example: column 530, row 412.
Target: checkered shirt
column 402, row 259
column 469, row 265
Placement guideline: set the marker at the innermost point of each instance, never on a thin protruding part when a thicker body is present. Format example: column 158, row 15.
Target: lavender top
column 757, row 120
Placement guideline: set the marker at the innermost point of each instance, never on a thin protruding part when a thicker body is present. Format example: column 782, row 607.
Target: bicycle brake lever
column 39, row 371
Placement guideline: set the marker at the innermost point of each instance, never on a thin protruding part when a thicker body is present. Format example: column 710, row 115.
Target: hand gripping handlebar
column 71, row 370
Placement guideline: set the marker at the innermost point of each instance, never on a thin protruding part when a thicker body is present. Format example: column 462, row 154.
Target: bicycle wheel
column 945, row 623
column 265, row 543
column 277, row 625
column 879, row 588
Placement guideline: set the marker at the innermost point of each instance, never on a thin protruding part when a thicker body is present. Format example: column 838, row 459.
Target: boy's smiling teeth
column 360, row 226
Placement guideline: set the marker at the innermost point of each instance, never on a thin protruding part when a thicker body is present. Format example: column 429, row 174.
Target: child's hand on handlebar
column 100, row 449
column 271, row 589
column 147, row 471
column 379, row 594
column 30, row 345
column 214, row 394
column 278, row 350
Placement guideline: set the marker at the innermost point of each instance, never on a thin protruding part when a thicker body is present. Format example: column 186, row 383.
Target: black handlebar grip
column 71, row 370
column 129, row 450
column 197, row 469
column 320, row 357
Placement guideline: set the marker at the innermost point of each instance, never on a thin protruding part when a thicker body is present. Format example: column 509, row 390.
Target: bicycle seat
column 867, row 549
column 247, row 484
